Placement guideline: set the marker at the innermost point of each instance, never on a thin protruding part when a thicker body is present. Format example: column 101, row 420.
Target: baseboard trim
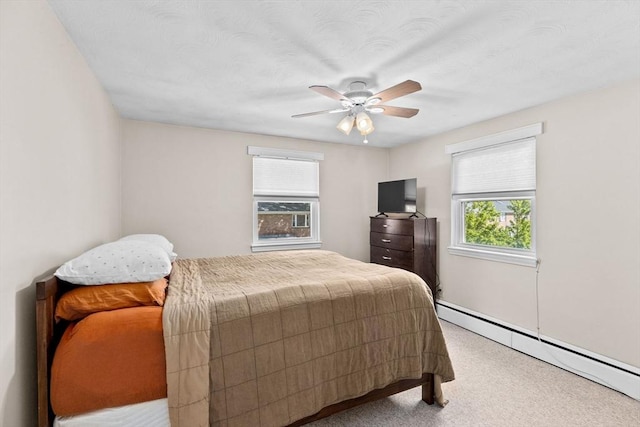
column 601, row 369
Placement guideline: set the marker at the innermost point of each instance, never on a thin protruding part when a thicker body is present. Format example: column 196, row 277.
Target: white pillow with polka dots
column 124, row 261
column 157, row 239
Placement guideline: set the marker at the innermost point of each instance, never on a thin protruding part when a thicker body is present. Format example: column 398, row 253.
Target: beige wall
column 588, row 235
column 194, row 186
column 59, row 179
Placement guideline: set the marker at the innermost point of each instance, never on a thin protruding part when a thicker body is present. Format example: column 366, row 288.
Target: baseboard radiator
column 601, row 369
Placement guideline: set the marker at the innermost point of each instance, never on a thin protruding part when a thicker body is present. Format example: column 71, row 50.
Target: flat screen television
column 397, row 196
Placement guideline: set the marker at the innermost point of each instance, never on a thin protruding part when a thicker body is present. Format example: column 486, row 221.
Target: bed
column 279, row 338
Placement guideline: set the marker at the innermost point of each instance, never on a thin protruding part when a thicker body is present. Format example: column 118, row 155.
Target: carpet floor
column 497, row 386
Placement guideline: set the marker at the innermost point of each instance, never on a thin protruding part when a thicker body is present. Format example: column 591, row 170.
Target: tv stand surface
column 413, row 215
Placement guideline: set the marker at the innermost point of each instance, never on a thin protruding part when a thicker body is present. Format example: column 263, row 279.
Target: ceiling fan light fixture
column 346, row 124
column 367, row 131
column 364, row 123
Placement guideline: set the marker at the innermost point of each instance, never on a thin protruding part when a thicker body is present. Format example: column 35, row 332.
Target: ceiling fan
column 358, row 101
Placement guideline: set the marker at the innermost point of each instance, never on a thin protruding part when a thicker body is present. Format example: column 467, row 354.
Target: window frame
column 526, row 257
column 313, row 197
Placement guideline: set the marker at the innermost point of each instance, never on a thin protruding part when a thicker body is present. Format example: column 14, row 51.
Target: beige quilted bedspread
column 267, row 339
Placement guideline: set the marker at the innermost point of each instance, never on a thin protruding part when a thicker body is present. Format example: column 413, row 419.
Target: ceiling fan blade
column 401, row 89
column 397, row 111
column 315, row 113
column 331, row 93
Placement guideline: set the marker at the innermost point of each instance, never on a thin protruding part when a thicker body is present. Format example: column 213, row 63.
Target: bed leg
column 428, row 390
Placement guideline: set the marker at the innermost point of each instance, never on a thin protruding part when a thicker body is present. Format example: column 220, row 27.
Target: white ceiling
column 247, row 65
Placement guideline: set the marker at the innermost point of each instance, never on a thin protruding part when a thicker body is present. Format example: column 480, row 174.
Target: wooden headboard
column 48, row 335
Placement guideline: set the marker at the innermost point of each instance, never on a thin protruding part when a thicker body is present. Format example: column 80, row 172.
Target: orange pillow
column 84, row 300
column 109, row 359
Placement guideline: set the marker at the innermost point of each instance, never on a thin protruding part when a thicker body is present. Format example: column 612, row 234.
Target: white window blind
column 285, row 177
column 498, row 168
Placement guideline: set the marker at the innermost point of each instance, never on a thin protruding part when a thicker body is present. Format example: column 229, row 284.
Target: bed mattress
column 154, row 413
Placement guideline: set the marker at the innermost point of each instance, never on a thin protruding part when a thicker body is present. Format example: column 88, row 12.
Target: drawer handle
column 386, row 240
column 386, row 258
column 385, row 225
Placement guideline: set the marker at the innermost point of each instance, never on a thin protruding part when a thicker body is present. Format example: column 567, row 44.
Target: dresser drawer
column 392, row 226
column 392, row 241
column 392, row 257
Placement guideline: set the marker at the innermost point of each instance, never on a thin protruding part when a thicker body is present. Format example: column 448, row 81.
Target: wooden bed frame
column 48, row 334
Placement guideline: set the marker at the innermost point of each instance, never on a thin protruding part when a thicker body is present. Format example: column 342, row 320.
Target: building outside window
column 280, row 219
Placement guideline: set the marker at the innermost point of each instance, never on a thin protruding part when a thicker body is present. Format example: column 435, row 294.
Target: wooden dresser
column 408, row 243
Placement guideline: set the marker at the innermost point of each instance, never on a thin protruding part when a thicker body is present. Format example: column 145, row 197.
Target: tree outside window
column 504, row 223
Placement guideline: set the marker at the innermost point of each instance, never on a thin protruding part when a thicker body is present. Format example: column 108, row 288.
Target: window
column 493, row 195
column 301, row 220
column 286, row 213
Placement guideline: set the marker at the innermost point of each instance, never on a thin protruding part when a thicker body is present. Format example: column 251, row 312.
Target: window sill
column 284, row 246
column 510, row 258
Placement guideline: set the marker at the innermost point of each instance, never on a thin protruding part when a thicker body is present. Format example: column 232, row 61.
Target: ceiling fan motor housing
column 359, row 96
